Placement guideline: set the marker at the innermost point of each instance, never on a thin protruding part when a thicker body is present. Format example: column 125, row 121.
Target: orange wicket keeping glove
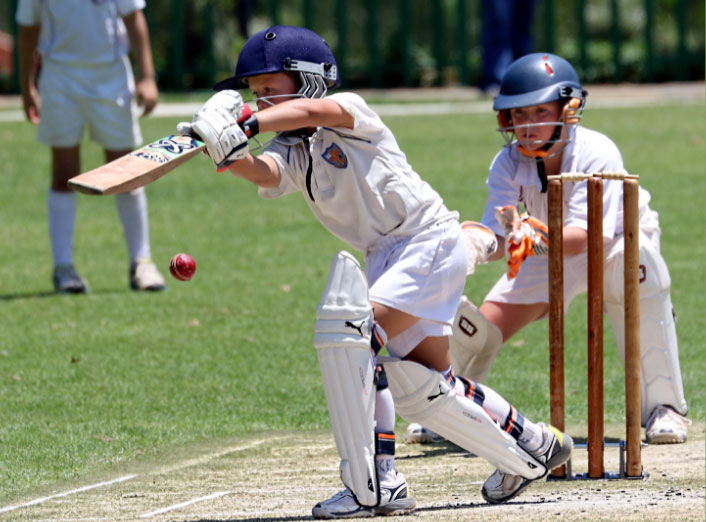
column 524, row 236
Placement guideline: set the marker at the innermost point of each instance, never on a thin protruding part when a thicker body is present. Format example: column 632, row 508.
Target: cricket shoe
column 554, row 451
column 145, row 276
column 666, row 426
column 67, row 280
column 394, row 500
column 418, row 434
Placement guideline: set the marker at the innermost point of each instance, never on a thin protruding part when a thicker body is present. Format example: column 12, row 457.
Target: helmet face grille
column 541, row 149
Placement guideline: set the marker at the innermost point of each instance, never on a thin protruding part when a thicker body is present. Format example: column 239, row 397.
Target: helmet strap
column 542, row 173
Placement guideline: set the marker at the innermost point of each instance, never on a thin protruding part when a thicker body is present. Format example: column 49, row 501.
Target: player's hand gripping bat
column 142, row 166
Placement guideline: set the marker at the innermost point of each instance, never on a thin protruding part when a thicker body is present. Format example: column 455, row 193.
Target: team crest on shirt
column 335, row 156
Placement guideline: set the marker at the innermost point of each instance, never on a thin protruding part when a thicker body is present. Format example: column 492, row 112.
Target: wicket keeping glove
column 218, row 124
column 481, row 243
column 524, row 236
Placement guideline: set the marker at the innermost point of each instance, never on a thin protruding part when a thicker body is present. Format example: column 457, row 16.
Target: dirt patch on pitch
column 281, row 476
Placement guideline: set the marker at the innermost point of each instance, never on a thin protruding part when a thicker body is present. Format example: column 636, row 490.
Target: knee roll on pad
column 344, row 322
column 422, row 395
column 475, row 342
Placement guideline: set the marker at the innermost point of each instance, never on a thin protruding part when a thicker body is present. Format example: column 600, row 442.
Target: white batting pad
column 475, row 342
column 344, row 322
column 422, row 395
column 660, row 372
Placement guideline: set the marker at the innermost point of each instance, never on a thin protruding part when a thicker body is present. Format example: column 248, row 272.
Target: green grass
column 89, row 382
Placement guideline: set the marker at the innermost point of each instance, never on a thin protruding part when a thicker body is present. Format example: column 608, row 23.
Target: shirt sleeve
column 125, row 7
column 292, row 164
column 367, row 123
column 28, row 13
column 501, row 191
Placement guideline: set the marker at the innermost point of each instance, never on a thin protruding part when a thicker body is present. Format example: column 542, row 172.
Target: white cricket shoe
column 67, row 280
column 555, row 450
column 418, row 434
column 145, row 276
column 666, row 426
column 394, row 500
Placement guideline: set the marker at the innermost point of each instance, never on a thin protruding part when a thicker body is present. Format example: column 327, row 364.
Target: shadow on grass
column 42, row 295
column 436, row 449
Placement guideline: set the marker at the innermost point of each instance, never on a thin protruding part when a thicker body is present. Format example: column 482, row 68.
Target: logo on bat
column 166, row 149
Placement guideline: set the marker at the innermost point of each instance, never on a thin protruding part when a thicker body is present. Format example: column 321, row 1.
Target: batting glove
column 524, row 236
column 218, row 124
column 481, row 243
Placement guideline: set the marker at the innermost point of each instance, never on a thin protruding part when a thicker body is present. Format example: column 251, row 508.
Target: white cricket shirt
column 79, row 32
column 361, row 187
column 512, row 181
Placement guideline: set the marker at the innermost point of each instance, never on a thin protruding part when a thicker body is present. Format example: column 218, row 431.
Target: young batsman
column 538, row 108
column 338, row 154
column 86, row 80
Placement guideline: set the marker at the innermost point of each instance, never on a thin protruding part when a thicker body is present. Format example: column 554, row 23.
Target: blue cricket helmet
column 538, row 78
column 535, row 79
column 286, row 48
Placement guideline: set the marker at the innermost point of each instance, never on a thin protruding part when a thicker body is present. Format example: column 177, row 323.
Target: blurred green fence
column 392, row 43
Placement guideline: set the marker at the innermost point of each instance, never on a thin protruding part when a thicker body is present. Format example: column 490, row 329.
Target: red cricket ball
column 182, row 267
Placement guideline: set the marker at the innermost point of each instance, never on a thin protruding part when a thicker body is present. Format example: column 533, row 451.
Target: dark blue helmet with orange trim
column 283, row 48
column 535, row 79
column 538, row 78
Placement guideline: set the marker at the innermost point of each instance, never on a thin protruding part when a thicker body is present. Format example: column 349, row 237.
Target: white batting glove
column 481, row 243
column 217, row 125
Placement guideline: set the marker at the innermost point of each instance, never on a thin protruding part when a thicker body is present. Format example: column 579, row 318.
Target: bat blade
column 139, row 168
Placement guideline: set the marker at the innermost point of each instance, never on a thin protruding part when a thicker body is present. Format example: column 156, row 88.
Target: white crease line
column 184, row 504
column 66, row 493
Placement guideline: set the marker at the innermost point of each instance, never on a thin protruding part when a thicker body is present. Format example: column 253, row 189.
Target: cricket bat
column 138, row 168
column 142, row 166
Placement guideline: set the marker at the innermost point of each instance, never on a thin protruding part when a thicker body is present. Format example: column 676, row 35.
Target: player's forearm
column 28, row 37
column 263, row 172
column 575, row 240
column 303, row 113
column 138, row 33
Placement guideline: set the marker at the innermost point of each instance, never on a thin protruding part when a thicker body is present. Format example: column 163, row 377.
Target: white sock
column 384, row 411
column 531, row 436
column 132, row 209
column 385, row 465
column 61, row 216
column 385, row 422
